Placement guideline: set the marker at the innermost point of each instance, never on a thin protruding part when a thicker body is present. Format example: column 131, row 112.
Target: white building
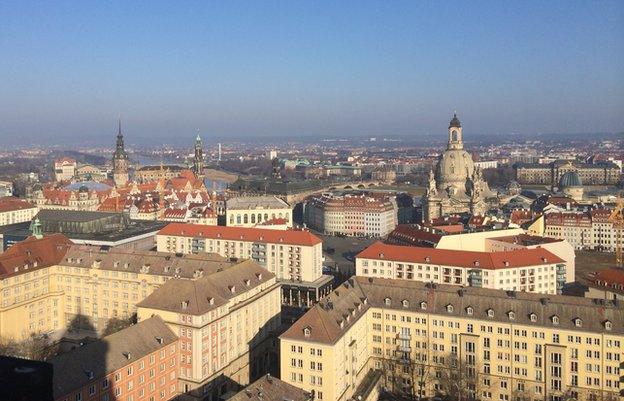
column 248, row 211
column 14, row 210
column 64, row 169
column 527, row 270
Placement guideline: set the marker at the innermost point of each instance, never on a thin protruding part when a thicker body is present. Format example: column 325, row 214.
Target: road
column 345, row 250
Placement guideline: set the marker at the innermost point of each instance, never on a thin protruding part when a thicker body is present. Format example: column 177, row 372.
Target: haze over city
column 301, row 68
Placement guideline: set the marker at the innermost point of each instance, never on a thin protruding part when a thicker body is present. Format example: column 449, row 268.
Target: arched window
column 238, row 219
column 266, row 216
column 454, row 136
column 253, row 218
column 245, row 218
column 232, row 219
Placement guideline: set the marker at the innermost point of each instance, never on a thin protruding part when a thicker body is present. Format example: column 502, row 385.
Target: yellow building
column 471, row 342
column 50, row 284
column 224, row 321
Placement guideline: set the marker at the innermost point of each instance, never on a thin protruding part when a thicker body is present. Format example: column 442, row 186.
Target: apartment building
column 137, row 363
column 248, row 211
column 15, row 210
column 50, row 284
column 294, row 256
column 583, row 229
column 531, row 270
column 226, row 323
column 355, row 215
column 474, row 343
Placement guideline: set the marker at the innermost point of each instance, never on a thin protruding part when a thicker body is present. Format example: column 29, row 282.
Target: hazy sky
column 309, row 67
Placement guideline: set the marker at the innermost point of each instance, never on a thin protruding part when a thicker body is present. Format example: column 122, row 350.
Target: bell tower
column 198, row 159
column 120, row 161
column 455, row 140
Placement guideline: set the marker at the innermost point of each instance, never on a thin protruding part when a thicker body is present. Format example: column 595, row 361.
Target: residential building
column 64, row 169
column 226, row 322
column 6, row 188
column 269, row 388
column 49, row 284
column 531, row 270
column 294, row 256
column 582, row 228
column 598, row 173
column 351, row 214
column 15, row 210
column 475, row 343
column 136, row 363
column 248, row 211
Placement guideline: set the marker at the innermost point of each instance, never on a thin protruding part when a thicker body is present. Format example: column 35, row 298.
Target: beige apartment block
column 433, row 340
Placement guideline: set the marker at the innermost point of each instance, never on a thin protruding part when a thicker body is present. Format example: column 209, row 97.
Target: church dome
column 454, row 168
column 570, row 179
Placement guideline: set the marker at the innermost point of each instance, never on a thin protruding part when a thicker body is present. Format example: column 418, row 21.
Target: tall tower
column 455, row 134
column 120, row 161
column 198, row 159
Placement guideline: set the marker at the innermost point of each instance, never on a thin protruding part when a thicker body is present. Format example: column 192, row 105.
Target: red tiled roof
column 290, row 237
column 608, row 277
column 11, row 203
column 448, row 257
column 32, row 254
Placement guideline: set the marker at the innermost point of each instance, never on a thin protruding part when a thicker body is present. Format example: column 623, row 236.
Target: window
column 469, row 310
column 449, row 308
column 423, row 305
column 490, row 312
column 511, row 314
column 555, row 319
column 533, row 317
column 388, row 301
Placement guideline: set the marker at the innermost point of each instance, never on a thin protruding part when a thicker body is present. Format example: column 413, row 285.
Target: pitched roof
column 323, row 319
column 11, row 203
column 450, row 257
column 268, row 388
column 289, row 237
column 73, row 369
column 197, row 297
column 33, row 253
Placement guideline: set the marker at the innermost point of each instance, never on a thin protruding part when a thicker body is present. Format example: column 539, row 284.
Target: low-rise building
column 226, row 322
column 139, row 362
column 248, row 211
column 269, row 388
column 350, row 214
column 15, row 210
column 294, row 256
column 472, row 343
column 531, row 270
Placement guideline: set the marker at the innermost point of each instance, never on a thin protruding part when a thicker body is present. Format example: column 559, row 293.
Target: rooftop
column 11, row 203
column 459, row 258
column 93, row 361
column 264, row 235
column 268, row 388
column 329, row 320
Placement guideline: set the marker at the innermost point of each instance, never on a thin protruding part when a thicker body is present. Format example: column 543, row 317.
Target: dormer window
column 490, row 312
column 469, row 310
column 405, row 303
column 307, row 331
column 423, row 305
column 578, row 322
column 555, row 319
column 511, row 315
column 608, row 325
column 247, row 282
column 387, row 301
column 533, row 317
column 476, row 263
column 232, row 289
column 449, row 308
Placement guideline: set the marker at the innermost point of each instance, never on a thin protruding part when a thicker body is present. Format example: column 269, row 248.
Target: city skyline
column 284, row 69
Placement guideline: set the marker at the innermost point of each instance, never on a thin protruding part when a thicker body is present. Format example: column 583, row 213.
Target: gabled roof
column 72, row 369
column 288, row 237
column 33, row 254
column 457, row 258
column 11, row 203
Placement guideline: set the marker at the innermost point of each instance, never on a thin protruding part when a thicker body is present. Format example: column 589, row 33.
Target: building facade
column 15, row 210
column 64, row 169
column 294, row 256
column 583, row 229
column 599, row 173
column 354, row 215
column 225, row 322
column 248, row 211
column 136, row 363
column 473, row 343
column 527, row 270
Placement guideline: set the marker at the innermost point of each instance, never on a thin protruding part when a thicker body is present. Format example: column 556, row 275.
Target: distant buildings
column 352, row 214
column 15, row 210
column 64, row 169
column 147, row 174
column 599, row 173
column 429, row 340
column 6, row 188
column 583, row 229
column 139, row 362
column 249, row 211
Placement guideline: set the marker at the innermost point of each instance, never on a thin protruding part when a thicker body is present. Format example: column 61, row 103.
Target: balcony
column 404, row 336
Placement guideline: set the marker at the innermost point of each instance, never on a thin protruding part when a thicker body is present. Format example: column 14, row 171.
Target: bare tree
column 35, row 347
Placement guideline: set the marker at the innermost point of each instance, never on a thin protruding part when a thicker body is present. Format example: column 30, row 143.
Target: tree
column 36, row 347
